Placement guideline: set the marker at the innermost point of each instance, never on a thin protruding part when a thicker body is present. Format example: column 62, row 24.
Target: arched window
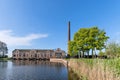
column 45, row 54
column 50, row 54
column 41, row 55
column 35, row 55
column 23, row 54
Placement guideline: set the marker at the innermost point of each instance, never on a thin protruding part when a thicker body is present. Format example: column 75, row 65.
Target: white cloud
column 8, row 37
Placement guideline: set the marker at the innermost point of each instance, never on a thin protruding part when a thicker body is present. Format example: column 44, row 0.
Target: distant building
column 3, row 49
column 37, row 54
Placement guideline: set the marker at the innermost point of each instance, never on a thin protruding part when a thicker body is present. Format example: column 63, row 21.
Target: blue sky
column 42, row 24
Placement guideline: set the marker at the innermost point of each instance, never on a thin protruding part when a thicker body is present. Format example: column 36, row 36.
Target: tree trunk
column 92, row 54
column 88, row 53
column 83, row 54
column 95, row 52
column 80, row 54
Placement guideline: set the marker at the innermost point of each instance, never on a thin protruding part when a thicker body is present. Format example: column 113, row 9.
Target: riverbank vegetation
column 96, row 69
column 5, row 58
column 113, row 50
column 104, row 61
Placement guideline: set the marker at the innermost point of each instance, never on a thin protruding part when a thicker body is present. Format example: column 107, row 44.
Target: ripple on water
column 32, row 70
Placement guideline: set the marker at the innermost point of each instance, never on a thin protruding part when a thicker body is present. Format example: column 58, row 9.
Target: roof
column 33, row 50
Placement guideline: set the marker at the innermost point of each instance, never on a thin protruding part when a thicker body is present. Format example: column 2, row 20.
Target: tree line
column 3, row 49
column 86, row 40
column 113, row 50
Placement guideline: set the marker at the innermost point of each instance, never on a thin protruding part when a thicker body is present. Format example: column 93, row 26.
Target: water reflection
column 3, row 64
column 36, row 62
column 32, row 70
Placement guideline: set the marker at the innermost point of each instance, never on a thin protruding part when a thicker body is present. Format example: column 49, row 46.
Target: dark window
column 35, row 55
column 14, row 55
column 41, row 55
column 23, row 55
column 50, row 54
column 58, row 55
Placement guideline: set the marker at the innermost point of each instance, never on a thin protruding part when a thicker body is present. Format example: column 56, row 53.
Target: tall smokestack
column 69, row 37
column 68, row 31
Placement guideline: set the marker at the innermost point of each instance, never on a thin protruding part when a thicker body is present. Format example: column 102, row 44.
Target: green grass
column 114, row 64
column 5, row 59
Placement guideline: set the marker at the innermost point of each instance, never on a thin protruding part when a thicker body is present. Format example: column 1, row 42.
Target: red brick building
column 37, row 54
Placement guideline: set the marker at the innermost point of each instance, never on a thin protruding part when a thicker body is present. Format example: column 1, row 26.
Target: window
column 50, row 54
column 35, row 55
column 58, row 55
column 14, row 55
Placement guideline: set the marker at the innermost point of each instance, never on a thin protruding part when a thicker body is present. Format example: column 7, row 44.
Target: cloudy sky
column 42, row 24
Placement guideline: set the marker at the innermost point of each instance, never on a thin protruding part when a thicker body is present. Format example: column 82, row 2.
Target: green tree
column 101, row 54
column 113, row 50
column 81, row 39
column 87, row 39
column 72, row 48
column 97, row 39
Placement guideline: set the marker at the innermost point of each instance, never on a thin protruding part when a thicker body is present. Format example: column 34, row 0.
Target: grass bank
column 5, row 59
column 96, row 69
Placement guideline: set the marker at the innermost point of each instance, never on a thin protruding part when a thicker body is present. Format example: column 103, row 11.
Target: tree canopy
column 86, row 39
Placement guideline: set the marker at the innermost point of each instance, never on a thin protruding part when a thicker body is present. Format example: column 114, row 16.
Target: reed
column 96, row 69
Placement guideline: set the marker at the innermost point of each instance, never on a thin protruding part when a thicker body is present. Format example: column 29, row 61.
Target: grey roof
column 34, row 49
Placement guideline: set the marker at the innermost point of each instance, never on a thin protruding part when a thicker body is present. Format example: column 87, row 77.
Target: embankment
column 65, row 62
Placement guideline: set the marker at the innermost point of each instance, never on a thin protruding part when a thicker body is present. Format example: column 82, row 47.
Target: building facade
column 37, row 54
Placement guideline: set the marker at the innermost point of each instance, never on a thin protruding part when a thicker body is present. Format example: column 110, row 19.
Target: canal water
column 33, row 70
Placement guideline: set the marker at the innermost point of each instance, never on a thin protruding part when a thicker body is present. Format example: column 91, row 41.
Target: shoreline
column 5, row 59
